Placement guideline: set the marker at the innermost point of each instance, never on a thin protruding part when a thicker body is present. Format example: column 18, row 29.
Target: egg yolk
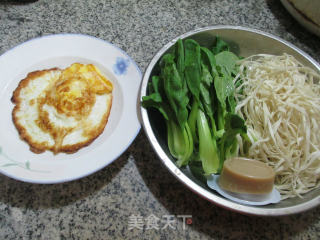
column 75, row 92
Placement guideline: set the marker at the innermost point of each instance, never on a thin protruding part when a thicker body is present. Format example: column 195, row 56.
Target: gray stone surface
column 100, row 205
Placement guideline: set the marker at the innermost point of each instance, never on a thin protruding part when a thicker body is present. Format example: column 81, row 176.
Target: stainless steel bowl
column 244, row 42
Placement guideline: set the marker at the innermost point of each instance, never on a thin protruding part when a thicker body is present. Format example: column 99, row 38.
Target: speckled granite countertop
column 101, row 205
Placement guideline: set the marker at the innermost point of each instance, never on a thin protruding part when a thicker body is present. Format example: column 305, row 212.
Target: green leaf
column 209, row 59
column 234, row 125
column 227, row 61
column 180, row 58
column 192, row 67
column 206, row 78
column 154, row 98
column 220, row 85
column 0, row 149
column 175, row 89
column 226, row 65
column 205, row 94
column 192, row 120
column 234, row 121
column 220, row 46
column 231, row 104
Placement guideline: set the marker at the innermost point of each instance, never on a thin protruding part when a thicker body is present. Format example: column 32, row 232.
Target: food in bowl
column 62, row 110
column 199, row 93
column 280, row 100
column 249, row 176
column 195, row 94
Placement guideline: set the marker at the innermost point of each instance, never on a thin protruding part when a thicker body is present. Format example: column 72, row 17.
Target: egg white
column 27, row 113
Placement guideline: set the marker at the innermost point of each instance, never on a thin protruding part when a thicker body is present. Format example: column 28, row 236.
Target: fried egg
column 62, row 110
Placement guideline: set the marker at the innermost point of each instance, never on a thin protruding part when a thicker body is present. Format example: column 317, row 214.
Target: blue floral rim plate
column 61, row 50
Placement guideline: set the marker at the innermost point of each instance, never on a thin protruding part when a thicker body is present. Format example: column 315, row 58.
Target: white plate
column 301, row 16
column 16, row 160
column 246, row 199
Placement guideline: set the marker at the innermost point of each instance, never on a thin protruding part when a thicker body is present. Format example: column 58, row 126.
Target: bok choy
column 194, row 91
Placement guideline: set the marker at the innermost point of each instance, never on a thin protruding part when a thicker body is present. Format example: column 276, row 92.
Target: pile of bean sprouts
column 279, row 99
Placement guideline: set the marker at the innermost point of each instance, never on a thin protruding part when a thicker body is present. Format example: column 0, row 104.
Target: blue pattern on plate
column 121, row 66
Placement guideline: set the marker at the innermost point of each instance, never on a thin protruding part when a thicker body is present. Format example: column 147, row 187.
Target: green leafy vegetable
column 194, row 92
column 224, row 86
column 209, row 59
column 207, row 146
column 192, row 67
column 180, row 142
column 180, row 58
column 175, row 89
column 234, row 125
column 220, row 46
column 227, row 61
column 154, row 98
